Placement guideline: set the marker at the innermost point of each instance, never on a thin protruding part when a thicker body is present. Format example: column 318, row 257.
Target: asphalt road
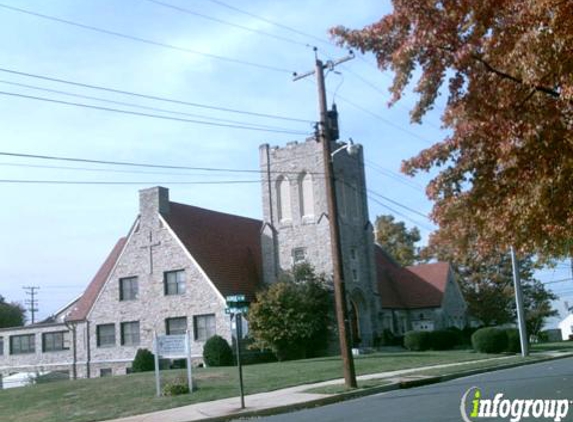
column 441, row 402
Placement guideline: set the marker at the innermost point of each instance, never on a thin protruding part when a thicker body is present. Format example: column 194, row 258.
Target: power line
column 382, row 119
column 389, row 173
column 145, row 40
column 417, row 223
column 398, row 204
column 123, row 103
column 288, row 28
column 103, row 170
column 224, row 22
column 87, row 182
column 154, row 97
column 280, row 25
column 558, row 281
column 366, row 192
column 133, row 164
column 154, row 116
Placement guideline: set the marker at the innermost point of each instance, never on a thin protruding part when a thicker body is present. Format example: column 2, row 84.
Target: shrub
column 176, row 387
column 388, row 338
column 444, row 339
column 144, row 361
column 513, row 340
column 292, row 316
column 418, row 340
column 217, row 352
column 467, row 333
column 490, row 340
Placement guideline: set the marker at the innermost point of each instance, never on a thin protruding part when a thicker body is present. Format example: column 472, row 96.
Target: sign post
column 237, row 305
column 156, row 358
column 188, row 351
column 239, row 331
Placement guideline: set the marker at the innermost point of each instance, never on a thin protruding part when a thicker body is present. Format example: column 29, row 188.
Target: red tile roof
column 415, row 287
column 227, row 247
column 84, row 304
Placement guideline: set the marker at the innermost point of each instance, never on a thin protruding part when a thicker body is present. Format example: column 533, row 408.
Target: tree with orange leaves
column 506, row 168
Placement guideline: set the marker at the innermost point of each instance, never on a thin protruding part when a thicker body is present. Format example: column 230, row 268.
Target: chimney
column 153, row 201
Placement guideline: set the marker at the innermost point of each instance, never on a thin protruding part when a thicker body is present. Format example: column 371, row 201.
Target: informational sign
column 172, row 346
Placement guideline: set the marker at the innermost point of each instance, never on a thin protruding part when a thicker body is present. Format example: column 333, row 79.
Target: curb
column 337, row 398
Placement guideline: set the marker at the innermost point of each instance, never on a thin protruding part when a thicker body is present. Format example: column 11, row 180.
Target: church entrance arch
column 359, row 318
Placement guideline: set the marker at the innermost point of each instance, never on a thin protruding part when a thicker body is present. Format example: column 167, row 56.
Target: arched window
column 306, row 195
column 283, row 197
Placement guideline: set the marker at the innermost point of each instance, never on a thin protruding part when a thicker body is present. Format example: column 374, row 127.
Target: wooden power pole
column 337, row 262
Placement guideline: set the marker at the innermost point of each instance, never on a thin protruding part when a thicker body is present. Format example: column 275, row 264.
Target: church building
column 177, row 263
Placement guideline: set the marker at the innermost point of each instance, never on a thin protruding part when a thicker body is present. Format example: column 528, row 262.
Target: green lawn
column 107, row 398
column 566, row 346
column 485, row 364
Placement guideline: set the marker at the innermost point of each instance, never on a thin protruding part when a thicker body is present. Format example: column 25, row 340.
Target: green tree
column 292, row 316
column 506, row 162
column 537, row 302
column 11, row 314
column 397, row 240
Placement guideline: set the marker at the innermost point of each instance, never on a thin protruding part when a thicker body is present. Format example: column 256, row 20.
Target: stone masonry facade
column 307, row 237
column 153, row 307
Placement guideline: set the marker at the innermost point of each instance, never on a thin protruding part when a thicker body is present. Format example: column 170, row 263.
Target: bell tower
column 296, row 222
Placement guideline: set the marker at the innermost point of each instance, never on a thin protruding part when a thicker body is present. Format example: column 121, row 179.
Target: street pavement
column 441, row 402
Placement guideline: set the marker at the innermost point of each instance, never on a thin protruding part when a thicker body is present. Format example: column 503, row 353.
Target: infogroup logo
column 513, row 409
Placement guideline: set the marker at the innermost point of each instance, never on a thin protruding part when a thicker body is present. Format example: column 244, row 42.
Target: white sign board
column 172, row 346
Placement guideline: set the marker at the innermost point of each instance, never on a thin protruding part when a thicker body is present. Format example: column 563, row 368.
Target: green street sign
column 236, row 310
column 235, row 299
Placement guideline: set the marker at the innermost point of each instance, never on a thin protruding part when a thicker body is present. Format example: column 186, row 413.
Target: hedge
column 217, row 352
column 490, row 340
column 418, row 341
column 144, row 361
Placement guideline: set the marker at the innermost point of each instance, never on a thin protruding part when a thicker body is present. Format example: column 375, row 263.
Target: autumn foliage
column 506, row 166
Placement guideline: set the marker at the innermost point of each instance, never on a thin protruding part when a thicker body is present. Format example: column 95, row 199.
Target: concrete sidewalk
column 273, row 399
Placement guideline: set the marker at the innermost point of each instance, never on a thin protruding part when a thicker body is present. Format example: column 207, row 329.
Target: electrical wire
column 277, row 24
column 224, row 22
column 145, row 40
column 123, row 103
column 393, row 175
column 413, row 211
column 154, row 116
column 89, row 182
column 144, row 165
column 153, row 97
column 105, row 170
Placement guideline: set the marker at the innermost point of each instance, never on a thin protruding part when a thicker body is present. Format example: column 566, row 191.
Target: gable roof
column 84, row 304
column 227, row 247
column 415, row 287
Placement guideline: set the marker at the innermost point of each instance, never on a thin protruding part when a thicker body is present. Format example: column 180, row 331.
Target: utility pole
column 32, row 302
column 324, row 136
column 519, row 305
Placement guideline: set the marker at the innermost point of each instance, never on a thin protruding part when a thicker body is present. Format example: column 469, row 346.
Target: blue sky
column 56, row 236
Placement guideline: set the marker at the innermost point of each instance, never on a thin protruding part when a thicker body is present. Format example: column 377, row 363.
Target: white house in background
column 566, row 327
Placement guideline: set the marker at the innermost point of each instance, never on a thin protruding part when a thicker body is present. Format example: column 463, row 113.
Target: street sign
column 237, row 310
column 172, row 346
column 235, row 299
